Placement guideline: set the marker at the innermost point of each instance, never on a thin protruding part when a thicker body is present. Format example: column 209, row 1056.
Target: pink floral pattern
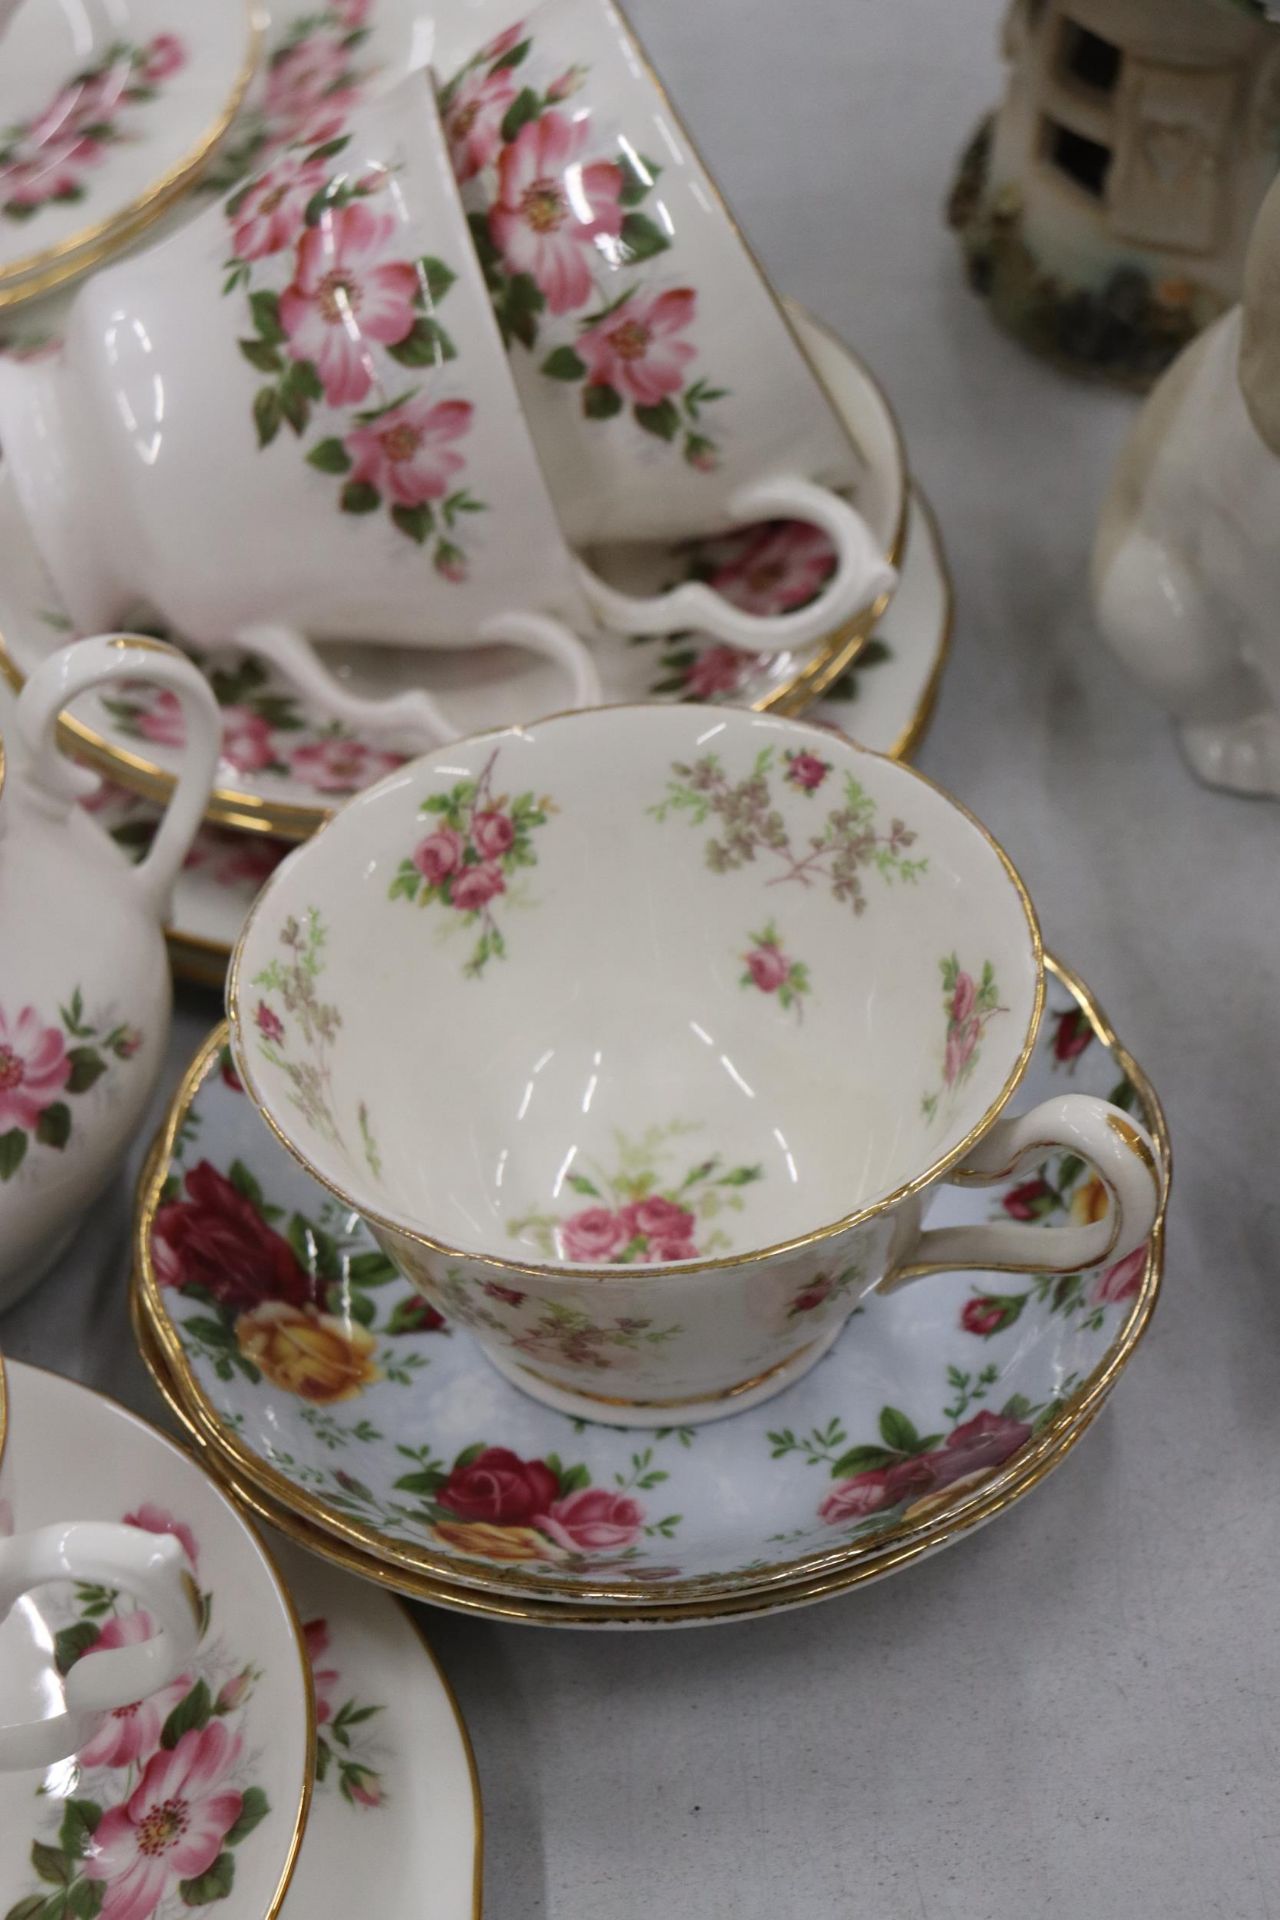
column 643, row 1209
column 554, row 200
column 264, row 730
column 45, row 161
column 336, row 312
column 769, row 970
column 41, row 1061
column 479, row 840
column 343, row 1752
column 163, row 1797
column 970, row 1006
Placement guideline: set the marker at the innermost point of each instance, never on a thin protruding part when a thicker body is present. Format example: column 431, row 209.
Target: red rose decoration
column 217, row 1240
column 1072, row 1034
column 1121, row 1281
column 594, row 1520
column 500, row 1487
column 988, row 1313
column 1030, row 1200
column 979, row 1446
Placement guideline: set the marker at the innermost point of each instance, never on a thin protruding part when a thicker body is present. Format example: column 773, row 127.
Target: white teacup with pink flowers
column 666, row 389
column 638, row 1036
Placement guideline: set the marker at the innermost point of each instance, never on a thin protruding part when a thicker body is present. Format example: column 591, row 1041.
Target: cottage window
column 1088, row 59
column 1084, row 161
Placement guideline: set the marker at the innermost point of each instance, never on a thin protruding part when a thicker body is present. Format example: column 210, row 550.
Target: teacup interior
column 642, row 984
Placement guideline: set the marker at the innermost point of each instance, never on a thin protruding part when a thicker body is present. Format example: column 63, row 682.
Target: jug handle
column 108, row 659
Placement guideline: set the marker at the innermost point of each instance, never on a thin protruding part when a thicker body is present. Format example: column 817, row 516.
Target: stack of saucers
column 451, row 396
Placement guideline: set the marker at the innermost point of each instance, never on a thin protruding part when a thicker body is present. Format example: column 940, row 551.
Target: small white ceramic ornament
column 1186, row 570
column 84, row 978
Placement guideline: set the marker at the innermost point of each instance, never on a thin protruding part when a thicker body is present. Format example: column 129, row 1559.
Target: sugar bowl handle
column 107, row 660
column 153, row 1569
column 1117, row 1148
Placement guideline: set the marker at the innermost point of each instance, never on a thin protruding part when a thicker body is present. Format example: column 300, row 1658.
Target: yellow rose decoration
column 1090, row 1202
column 312, row 1354
column 494, row 1543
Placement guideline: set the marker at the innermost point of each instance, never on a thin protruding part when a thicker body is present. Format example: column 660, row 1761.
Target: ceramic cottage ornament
column 1186, row 569
column 84, row 978
column 1104, row 208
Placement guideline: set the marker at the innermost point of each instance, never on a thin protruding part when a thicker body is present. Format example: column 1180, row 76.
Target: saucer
column 286, row 763
column 395, row 1811
column 107, row 115
column 231, row 1738
column 387, row 1433
column 885, row 700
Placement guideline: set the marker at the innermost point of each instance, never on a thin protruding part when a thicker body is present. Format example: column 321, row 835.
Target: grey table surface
column 1077, row 1711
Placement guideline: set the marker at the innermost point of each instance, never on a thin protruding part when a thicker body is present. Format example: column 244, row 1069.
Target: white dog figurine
column 1186, row 563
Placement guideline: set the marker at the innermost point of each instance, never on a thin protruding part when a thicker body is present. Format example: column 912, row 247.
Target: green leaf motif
column 87, row 1066
column 52, row 1864
column 261, row 356
column 267, row 415
column 329, row 456
column 438, row 277
column 564, row 364
column 425, row 345
column 79, row 1824
column 214, row 1885
column 861, row 1460
column 246, row 1184
column 898, row 1433
column 662, row 420
column 265, row 308
column 53, row 1128
column 512, row 57
column 417, row 522
column 601, row 402
column 523, row 108
column 32, row 1908
column 359, row 497
column 12, row 1151
column 70, row 1642
column 643, row 237
column 193, row 1710
column 254, row 1808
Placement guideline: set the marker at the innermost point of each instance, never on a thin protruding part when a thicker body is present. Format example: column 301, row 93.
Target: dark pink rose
column 982, row 1315
column 959, row 1050
column 768, row 968
column 492, row 834
column 963, row 998
column 717, row 670
column 363, row 1784
column 593, row 1520
column 315, row 1634
column 676, row 1246
column 979, row 1446
column 1030, row 1200
column 269, row 1023
column 510, row 1295
column 656, row 1218
column 500, row 1487
column 854, row 1499
column 475, row 886
column 1121, row 1281
column 807, row 770
column 813, row 1295
column 1072, row 1034
column 504, row 42
column 595, row 1234
column 163, row 56
column 439, row 855
column 162, row 721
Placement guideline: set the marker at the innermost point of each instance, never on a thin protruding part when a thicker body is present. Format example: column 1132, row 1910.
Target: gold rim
column 469, row 1754
column 293, row 820
column 38, row 273
column 524, row 1610
column 286, row 1598
column 611, row 1276
column 425, row 1573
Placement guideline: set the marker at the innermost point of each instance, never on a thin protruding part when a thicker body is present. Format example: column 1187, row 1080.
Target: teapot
column 85, row 991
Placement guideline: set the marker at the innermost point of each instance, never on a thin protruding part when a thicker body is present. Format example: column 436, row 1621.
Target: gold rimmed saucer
column 38, row 271
column 1048, row 1382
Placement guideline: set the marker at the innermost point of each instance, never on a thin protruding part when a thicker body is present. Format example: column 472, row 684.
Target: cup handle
column 101, row 662
column 1118, row 1149
column 416, row 714
column 153, row 1569
column 861, row 583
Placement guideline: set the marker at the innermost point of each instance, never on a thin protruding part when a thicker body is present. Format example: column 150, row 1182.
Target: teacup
column 45, row 1716
column 639, row 1035
column 294, row 420
column 667, row 391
